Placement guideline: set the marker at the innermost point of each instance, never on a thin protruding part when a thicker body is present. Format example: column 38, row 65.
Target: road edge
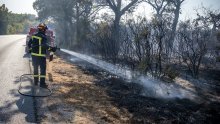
column 39, row 103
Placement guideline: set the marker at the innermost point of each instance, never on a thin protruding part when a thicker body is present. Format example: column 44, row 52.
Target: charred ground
column 84, row 93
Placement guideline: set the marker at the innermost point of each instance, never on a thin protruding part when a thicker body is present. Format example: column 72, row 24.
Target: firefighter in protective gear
column 38, row 47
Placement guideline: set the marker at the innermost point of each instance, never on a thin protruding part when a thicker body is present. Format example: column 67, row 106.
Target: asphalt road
column 14, row 108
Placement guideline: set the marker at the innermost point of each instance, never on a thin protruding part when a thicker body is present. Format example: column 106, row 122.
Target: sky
column 26, row 6
column 19, row 6
column 187, row 8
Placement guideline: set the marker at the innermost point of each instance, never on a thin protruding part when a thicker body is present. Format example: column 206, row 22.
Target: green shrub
column 170, row 72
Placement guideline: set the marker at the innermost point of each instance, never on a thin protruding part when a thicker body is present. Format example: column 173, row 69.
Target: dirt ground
column 84, row 94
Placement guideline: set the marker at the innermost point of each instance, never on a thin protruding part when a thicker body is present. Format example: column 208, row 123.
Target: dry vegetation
column 78, row 96
column 83, row 94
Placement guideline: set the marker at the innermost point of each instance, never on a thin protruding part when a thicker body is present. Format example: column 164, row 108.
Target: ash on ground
column 83, row 93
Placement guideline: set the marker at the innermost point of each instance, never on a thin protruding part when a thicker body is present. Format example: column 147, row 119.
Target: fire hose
column 32, row 94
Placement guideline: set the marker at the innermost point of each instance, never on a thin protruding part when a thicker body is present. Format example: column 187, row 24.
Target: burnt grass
column 145, row 109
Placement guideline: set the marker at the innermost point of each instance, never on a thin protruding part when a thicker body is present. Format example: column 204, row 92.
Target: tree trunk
column 116, row 36
column 174, row 25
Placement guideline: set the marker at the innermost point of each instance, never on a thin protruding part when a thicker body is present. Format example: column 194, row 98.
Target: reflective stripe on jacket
column 38, row 45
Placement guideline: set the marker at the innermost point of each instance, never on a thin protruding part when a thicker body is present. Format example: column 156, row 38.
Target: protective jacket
column 38, row 45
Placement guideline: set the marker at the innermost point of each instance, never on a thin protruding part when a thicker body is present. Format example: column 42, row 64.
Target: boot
column 44, row 85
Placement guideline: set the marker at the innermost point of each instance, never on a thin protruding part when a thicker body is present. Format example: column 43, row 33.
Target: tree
column 141, row 44
column 218, row 47
column 160, row 6
column 119, row 8
column 100, row 38
column 160, row 22
column 12, row 23
column 192, row 47
column 177, row 7
column 72, row 19
column 212, row 19
column 167, row 10
column 160, row 26
column 61, row 12
column 3, row 19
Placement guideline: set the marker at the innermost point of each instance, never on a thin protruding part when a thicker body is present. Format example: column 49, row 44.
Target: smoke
column 153, row 87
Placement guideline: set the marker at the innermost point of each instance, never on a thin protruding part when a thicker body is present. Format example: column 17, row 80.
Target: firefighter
column 38, row 46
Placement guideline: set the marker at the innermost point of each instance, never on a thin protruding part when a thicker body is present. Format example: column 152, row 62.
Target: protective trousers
column 37, row 62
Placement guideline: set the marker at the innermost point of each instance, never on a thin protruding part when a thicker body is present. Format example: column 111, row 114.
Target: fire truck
column 49, row 34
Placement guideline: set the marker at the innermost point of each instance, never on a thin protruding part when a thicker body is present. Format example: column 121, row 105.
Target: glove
column 54, row 49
